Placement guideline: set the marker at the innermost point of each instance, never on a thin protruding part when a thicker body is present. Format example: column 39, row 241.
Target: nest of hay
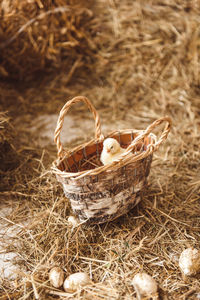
column 37, row 35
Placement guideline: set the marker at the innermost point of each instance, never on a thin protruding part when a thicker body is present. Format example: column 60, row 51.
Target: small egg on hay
column 73, row 221
column 189, row 261
column 56, row 277
column 75, row 281
column 145, row 286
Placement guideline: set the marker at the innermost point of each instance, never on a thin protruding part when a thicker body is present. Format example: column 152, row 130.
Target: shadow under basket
column 100, row 193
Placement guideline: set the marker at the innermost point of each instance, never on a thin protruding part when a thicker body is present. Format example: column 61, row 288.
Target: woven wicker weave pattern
column 102, row 193
column 99, row 199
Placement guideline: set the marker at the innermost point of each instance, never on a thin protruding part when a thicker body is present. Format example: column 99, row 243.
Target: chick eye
column 111, row 147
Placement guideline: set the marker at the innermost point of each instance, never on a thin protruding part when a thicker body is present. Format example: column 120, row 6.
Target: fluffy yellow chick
column 111, row 151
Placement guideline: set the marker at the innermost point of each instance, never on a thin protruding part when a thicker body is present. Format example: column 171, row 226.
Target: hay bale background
column 40, row 35
column 147, row 66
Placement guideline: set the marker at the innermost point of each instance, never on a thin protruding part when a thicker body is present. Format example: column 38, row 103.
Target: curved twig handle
column 148, row 130
column 60, row 122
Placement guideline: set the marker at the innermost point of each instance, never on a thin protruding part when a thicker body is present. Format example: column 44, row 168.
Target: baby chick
column 111, row 151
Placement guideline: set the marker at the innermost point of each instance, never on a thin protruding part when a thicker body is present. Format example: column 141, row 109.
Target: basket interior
column 89, row 156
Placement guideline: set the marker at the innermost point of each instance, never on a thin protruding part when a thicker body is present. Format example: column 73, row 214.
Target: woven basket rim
column 125, row 158
column 120, row 162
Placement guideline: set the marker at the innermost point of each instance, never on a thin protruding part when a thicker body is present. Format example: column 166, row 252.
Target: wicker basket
column 100, row 193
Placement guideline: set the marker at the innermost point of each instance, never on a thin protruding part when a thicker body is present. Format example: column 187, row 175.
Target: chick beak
column 108, row 150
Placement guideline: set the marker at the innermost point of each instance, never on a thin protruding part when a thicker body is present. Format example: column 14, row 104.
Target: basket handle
column 63, row 112
column 148, row 130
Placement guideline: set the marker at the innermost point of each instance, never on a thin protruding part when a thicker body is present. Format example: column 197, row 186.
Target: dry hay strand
column 38, row 35
column 8, row 155
column 4, row 127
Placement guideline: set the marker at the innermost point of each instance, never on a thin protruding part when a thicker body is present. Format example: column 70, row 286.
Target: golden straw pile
column 146, row 65
column 38, row 35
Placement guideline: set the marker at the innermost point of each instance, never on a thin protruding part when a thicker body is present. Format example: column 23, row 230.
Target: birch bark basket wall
column 100, row 193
